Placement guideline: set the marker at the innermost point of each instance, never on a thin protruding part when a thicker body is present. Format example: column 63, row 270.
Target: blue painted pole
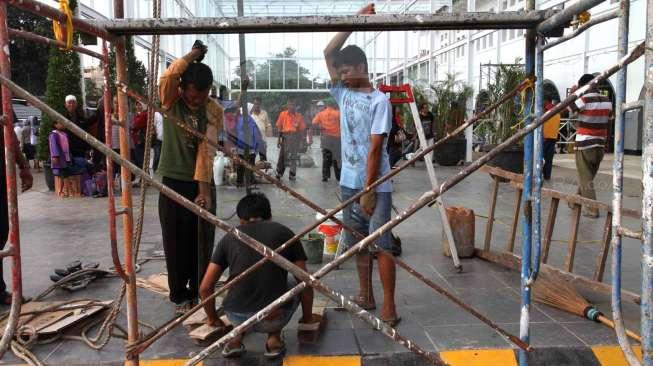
column 527, row 229
column 617, row 187
column 538, row 158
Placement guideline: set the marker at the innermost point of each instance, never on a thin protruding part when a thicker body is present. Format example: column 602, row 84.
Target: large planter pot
column 49, row 177
column 510, row 159
column 452, row 152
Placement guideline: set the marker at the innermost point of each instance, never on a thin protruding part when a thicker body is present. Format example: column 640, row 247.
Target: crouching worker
column 261, row 287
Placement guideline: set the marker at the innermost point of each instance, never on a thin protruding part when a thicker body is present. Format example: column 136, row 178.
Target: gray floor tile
column 465, row 336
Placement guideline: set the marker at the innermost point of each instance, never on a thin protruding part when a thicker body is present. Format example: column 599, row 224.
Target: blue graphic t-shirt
column 362, row 115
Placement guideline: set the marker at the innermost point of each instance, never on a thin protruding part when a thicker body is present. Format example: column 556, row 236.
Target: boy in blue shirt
column 365, row 122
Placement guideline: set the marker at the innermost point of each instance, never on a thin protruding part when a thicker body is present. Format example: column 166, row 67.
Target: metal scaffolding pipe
column 12, row 189
column 108, row 133
column 156, row 334
column 39, row 8
column 126, row 199
column 151, row 338
column 424, row 200
column 527, row 224
column 594, row 21
column 617, row 188
column 207, row 216
column 564, row 17
column 15, row 33
column 647, row 199
column 324, row 23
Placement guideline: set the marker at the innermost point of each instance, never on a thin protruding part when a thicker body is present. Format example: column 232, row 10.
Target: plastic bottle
column 218, row 168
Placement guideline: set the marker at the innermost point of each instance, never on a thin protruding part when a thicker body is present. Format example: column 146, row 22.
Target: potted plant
column 449, row 108
column 505, row 120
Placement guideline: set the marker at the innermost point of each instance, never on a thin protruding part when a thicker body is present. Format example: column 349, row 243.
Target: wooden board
column 157, row 283
column 310, row 333
column 53, row 321
column 77, row 315
column 205, row 333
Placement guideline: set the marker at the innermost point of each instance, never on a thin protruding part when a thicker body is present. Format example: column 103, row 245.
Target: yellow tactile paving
column 322, row 361
column 612, row 355
column 164, row 363
column 481, row 357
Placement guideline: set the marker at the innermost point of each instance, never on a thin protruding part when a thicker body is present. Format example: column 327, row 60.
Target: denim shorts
column 354, row 216
column 267, row 326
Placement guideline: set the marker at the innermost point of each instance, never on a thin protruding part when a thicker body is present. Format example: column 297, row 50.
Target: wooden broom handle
column 610, row 324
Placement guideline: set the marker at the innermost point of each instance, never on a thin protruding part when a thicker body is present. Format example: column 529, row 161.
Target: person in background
column 427, row 119
column 26, row 181
column 365, row 123
column 550, row 135
column 137, row 133
column 33, row 122
column 593, row 111
column 254, row 143
column 263, row 286
column 328, row 122
column 396, row 137
column 262, row 121
column 158, row 142
column 186, row 167
column 292, row 132
column 74, row 113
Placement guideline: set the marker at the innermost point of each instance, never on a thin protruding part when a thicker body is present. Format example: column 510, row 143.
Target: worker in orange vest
column 292, row 135
column 328, row 121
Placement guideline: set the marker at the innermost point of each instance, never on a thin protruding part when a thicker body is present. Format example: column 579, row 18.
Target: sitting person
column 261, row 287
column 66, row 169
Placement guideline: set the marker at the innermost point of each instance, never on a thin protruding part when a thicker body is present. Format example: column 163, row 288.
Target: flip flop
column 272, row 353
column 360, row 302
column 392, row 322
column 233, row 352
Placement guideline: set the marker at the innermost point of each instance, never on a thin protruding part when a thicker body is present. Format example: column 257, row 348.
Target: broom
column 559, row 294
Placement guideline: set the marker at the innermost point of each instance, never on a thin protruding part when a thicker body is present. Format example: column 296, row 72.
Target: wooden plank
column 605, row 248
column 515, row 221
column 157, row 283
column 573, row 239
column 206, row 332
column 490, row 217
column 75, row 316
column 513, row 261
column 548, row 231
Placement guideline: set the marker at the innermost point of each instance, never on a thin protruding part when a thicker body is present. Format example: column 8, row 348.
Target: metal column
column 647, row 200
column 527, row 230
column 617, row 187
column 12, row 190
column 125, row 174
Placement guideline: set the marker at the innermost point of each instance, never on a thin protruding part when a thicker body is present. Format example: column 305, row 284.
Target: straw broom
column 558, row 293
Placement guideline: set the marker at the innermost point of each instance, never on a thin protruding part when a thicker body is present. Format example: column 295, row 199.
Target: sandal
column 392, row 321
column 183, row 308
column 233, row 352
column 272, row 353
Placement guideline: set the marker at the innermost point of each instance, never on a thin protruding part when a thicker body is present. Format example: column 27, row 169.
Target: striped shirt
column 593, row 113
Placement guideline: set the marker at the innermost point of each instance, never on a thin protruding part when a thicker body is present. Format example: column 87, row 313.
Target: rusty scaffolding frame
column 537, row 23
